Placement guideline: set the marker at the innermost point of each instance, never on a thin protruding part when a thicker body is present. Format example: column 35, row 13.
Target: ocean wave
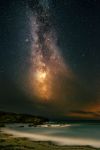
column 54, row 125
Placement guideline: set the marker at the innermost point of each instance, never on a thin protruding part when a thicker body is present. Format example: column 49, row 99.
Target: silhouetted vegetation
column 7, row 117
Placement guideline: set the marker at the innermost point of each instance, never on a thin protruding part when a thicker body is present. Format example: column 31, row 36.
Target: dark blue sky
column 77, row 24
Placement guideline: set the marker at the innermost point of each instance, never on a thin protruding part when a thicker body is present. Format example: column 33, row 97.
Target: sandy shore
column 9, row 142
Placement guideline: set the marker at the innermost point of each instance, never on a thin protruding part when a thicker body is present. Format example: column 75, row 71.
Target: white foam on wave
column 54, row 125
column 54, row 139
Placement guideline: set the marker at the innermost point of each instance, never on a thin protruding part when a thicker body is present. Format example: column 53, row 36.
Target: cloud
column 84, row 114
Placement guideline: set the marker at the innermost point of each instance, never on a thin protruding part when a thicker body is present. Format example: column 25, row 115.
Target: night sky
column 50, row 58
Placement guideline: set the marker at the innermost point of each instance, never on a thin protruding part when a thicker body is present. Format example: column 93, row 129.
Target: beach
column 19, row 139
column 9, row 142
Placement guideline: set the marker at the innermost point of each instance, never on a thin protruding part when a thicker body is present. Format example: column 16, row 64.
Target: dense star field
column 50, row 58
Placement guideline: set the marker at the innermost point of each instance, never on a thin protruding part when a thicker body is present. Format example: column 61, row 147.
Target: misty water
column 69, row 134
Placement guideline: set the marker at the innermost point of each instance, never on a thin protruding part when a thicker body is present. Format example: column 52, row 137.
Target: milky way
column 50, row 82
column 51, row 79
column 46, row 61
